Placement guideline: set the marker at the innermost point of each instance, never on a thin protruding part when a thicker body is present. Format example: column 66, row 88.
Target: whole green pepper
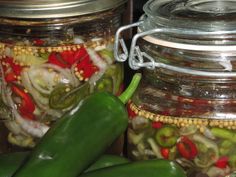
column 77, row 139
column 148, row 168
column 10, row 162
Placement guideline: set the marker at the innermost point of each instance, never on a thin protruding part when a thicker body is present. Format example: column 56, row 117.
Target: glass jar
column 185, row 107
column 53, row 54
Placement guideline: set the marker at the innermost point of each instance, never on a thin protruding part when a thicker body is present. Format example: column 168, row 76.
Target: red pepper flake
column 38, row 42
column 131, row 113
column 166, row 112
column 165, row 152
column 222, row 162
column 157, row 125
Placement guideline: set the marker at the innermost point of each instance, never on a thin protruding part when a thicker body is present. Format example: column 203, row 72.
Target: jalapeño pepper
column 166, row 136
column 11, row 161
column 80, row 136
column 65, row 96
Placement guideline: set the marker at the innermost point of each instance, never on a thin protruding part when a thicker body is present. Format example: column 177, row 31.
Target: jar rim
column 44, row 9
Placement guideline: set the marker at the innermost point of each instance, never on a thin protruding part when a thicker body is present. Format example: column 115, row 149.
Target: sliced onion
column 41, row 101
column 76, row 80
column 62, row 71
column 99, row 63
column 13, row 127
column 34, row 128
column 35, row 94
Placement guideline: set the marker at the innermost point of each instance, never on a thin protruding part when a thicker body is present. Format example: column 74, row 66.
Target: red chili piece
column 131, row 113
column 27, row 105
column 87, row 67
column 187, row 148
column 56, row 59
column 222, row 162
column 80, row 54
column 15, row 67
column 15, row 70
column 67, row 58
column 157, row 125
column 10, row 77
column 165, row 152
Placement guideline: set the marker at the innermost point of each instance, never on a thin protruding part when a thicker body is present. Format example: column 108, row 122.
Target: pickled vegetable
column 194, row 143
column 42, row 79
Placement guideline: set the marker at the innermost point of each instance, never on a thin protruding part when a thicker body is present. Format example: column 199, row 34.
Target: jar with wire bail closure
column 185, row 107
column 52, row 55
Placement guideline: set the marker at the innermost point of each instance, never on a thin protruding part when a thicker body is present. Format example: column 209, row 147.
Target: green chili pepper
column 10, row 162
column 107, row 55
column 173, row 152
column 116, row 73
column 232, row 161
column 226, row 147
column 77, row 139
column 224, row 134
column 166, row 136
column 148, row 168
column 104, row 84
column 65, row 96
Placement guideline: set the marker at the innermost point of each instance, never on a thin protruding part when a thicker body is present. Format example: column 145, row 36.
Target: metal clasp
column 138, row 59
column 119, row 41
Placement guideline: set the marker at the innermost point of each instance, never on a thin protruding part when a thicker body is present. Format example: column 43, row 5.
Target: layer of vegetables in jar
column 41, row 79
column 201, row 145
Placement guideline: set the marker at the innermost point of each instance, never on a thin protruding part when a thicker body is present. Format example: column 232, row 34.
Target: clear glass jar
column 185, row 107
column 53, row 54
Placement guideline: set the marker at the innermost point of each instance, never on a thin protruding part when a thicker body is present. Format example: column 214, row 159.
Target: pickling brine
column 48, row 67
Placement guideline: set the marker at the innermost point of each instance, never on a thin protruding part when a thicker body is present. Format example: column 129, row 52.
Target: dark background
column 132, row 14
column 138, row 8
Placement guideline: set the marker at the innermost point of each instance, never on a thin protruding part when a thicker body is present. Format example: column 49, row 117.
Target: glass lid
column 207, row 21
column 54, row 8
column 208, row 15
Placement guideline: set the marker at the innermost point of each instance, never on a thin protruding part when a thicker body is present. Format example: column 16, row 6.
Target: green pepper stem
column 127, row 94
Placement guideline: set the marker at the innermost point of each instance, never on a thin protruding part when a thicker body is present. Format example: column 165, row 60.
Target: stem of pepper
column 127, row 94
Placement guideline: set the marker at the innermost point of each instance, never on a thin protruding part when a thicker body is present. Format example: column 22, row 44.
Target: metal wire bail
column 138, row 59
